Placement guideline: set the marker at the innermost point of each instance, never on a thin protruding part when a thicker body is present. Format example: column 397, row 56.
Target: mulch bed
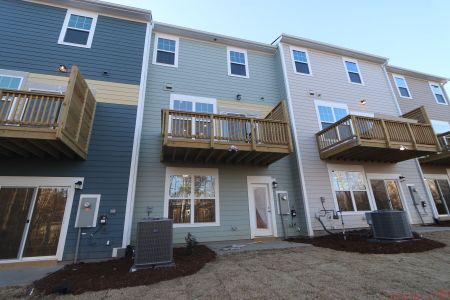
column 440, row 224
column 359, row 241
column 114, row 274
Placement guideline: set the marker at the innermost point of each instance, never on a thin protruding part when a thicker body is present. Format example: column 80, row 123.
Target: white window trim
column 247, row 71
column 292, row 49
column 430, row 83
column 344, row 59
column 390, row 176
column 398, row 88
column 14, row 76
column 24, row 181
column 155, row 49
column 192, row 171
column 194, row 100
column 350, row 168
column 318, row 103
column 83, row 13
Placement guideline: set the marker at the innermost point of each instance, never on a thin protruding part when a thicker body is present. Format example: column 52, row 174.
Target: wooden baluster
column 411, row 135
column 252, row 125
column 5, row 108
column 211, row 130
column 386, row 134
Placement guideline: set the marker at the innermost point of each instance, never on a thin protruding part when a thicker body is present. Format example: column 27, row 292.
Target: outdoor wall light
column 79, row 185
column 274, row 184
column 238, row 97
column 62, row 68
column 402, row 178
column 402, row 148
column 363, row 102
column 233, row 148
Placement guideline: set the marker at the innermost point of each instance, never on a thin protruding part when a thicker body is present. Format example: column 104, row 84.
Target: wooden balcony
column 47, row 124
column 212, row 138
column 376, row 139
column 442, row 158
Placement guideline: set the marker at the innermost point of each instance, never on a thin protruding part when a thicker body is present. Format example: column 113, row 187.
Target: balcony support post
column 354, row 124
column 252, row 124
column 411, row 135
column 211, row 130
column 386, row 134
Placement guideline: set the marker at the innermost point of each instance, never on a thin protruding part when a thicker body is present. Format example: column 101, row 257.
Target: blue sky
column 414, row 34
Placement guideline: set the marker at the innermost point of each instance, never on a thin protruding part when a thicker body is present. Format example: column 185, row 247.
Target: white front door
column 261, row 215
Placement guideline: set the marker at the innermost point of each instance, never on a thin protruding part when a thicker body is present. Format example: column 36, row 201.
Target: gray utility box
column 283, row 203
column 87, row 211
column 389, row 224
column 154, row 243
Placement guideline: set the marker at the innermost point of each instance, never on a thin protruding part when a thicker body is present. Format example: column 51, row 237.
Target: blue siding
column 106, row 172
column 206, row 75
column 30, row 35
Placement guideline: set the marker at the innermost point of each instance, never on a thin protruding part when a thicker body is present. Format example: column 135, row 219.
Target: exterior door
column 260, row 210
column 386, row 194
column 31, row 221
column 440, row 190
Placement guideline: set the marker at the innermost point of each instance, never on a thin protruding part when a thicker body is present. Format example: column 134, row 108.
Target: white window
column 237, row 62
column 78, row 28
column 350, row 189
column 436, row 89
column 193, row 103
column 300, row 61
column 165, row 50
column 353, row 72
column 440, row 126
column 192, row 197
column 10, row 82
column 328, row 112
column 402, row 86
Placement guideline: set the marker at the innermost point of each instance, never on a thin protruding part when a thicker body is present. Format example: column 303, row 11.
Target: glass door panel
column 261, row 208
column 45, row 226
column 380, row 194
column 445, row 192
column 14, row 208
column 440, row 190
column 394, row 196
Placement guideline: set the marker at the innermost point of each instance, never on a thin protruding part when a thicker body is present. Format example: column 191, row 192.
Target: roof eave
column 416, row 74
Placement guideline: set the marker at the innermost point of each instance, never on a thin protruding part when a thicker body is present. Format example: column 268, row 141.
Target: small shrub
column 191, row 242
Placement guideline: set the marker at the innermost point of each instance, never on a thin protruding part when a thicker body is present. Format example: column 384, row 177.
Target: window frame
column 65, row 26
column 318, row 103
column 155, row 49
column 439, row 122
column 430, row 83
column 170, row 171
column 394, row 76
column 292, row 49
column 247, row 70
column 14, row 76
column 350, row 168
column 194, row 100
column 346, row 59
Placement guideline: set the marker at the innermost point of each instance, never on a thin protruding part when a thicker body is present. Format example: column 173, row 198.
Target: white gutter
column 137, row 139
column 419, row 168
column 296, row 143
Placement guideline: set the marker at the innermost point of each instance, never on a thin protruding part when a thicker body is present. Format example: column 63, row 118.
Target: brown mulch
column 359, row 241
column 440, row 224
column 114, row 274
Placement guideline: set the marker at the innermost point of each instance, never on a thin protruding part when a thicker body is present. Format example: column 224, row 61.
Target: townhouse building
column 357, row 150
column 216, row 151
column 71, row 79
column 415, row 89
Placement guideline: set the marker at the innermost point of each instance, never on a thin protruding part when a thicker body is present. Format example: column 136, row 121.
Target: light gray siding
column 329, row 79
column 202, row 71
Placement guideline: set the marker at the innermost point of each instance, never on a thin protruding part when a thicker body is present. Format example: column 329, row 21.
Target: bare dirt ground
column 301, row 273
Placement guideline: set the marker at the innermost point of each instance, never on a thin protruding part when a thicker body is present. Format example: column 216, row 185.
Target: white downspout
column 137, row 139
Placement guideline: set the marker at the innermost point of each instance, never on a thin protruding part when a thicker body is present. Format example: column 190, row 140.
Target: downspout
column 419, row 168
column 296, row 143
column 137, row 138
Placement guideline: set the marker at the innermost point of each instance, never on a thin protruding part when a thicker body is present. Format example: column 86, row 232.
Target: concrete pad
column 25, row 275
column 225, row 247
column 425, row 229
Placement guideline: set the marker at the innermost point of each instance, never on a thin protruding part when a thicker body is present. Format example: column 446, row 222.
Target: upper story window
column 402, row 86
column 78, row 28
column 166, row 50
column 10, row 82
column 438, row 93
column 300, row 60
column 237, row 62
column 353, row 72
column 440, row 126
column 329, row 113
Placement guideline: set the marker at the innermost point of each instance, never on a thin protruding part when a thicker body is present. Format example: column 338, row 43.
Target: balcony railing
column 441, row 158
column 47, row 124
column 376, row 139
column 192, row 136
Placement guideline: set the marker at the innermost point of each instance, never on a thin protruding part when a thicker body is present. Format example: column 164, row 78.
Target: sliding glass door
column 440, row 190
column 386, row 194
column 30, row 220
